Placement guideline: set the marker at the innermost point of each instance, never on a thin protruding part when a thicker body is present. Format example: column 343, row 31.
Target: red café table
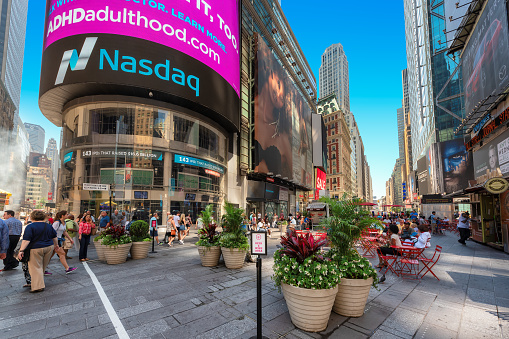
column 409, row 253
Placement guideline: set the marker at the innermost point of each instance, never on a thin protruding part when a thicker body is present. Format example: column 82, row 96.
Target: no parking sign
column 258, row 243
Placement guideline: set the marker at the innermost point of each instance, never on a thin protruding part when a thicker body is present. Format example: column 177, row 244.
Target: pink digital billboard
column 207, row 31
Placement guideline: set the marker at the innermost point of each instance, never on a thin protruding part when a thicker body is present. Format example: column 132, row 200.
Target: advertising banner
column 121, row 153
column 283, row 143
column 183, row 159
column 321, row 178
column 493, row 158
column 422, row 176
column 457, row 165
column 486, row 56
column 183, row 52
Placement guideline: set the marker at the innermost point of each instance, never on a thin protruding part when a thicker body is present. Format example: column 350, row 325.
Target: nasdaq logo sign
column 75, row 61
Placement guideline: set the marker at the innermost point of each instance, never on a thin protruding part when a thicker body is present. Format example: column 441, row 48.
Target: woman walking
column 60, row 229
column 171, row 229
column 182, row 230
column 41, row 240
column 85, row 229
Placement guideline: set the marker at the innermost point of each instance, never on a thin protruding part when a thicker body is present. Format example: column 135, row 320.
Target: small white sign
column 96, row 187
column 258, row 243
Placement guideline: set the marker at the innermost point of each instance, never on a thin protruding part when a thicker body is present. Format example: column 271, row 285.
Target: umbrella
column 367, row 204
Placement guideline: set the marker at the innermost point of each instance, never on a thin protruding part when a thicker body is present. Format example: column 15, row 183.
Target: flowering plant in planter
column 115, row 235
column 300, row 263
column 354, row 266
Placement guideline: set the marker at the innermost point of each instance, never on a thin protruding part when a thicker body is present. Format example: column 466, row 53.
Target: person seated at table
column 394, row 241
column 423, row 241
column 406, row 231
column 262, row 226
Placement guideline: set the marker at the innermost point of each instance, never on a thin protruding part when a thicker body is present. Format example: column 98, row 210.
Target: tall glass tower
column 15, row 49
column 434, row 88
column 334, row 76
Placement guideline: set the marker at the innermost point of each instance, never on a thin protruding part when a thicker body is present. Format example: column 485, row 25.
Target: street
column 170, row 295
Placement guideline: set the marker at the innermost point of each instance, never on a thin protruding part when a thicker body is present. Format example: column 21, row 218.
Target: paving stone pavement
column 170, row 295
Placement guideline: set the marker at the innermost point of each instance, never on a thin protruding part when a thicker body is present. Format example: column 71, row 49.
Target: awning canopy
column 317, row 206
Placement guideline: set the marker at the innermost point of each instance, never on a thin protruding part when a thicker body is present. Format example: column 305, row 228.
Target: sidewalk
column 170, row 295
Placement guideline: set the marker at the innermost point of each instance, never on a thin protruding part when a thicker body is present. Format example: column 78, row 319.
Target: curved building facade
column 147, row 94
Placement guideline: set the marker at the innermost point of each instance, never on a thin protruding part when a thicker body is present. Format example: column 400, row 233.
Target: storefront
column 155, row 159
column 265, row 198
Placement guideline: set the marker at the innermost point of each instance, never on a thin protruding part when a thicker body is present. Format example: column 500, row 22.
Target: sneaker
column 181, row 242
column 70, row 270
column 47, row 273
column 161, row 243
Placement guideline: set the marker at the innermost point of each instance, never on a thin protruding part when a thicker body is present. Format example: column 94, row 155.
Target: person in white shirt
column 423, row 241
column 464, row 227
column 293, row 221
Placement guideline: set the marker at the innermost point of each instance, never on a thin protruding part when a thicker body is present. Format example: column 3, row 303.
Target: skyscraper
column 15, row 49
column 434, row 88
column 334, row 76
column 36, row 136
column 401, row 132
column 52, row 154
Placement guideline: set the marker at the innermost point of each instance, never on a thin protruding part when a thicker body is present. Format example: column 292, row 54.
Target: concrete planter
column 233, row 257
column 99, row 248
column 139, row 249
column 209, row 255
column 116, row 255
column 352, row 296
column 309, row 309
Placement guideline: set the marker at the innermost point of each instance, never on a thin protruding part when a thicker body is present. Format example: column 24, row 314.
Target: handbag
column 93, row 231
column 26, row 255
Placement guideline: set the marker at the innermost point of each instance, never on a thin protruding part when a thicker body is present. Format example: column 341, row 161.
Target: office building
column 52, row 155
column 7, row 110
column 333, row 76
column 36, row 136
column 434, row 85
column 339, row 179
column 13, row 71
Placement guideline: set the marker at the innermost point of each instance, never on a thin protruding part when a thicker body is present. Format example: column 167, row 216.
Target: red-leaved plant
column 301, row 247
column 115, row 231
column 208, row 235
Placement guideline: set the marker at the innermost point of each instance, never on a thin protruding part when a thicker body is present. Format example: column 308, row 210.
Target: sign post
column 154, row 230
column 258, row 247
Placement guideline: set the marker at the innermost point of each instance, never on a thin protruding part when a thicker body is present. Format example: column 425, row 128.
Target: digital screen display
column 140, row 194
column 190, row 196
column 283, row 142
column 486, row 57
column 206, row 31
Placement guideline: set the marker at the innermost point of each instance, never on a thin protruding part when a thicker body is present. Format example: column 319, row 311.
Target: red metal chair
column 388, row 260
column 409, row 262
column 429, row 263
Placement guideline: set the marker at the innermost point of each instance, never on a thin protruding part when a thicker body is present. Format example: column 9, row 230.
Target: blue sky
column 372, row 35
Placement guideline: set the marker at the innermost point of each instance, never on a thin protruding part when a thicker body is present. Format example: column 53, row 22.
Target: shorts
column 182, row 228
column 153, row 234
column 67, row 245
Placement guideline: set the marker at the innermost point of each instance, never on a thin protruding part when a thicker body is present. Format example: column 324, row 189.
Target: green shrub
column 139, row 230
column 233, row 235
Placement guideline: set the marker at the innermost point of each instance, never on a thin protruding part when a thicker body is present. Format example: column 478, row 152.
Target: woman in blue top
column 42, row 240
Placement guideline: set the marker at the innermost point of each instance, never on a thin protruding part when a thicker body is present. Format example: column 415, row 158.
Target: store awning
column 2, row 192
column 317, row 206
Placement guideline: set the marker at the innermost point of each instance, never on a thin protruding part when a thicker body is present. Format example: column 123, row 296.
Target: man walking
column 464, row 227
column 104, row 219
column 116, row 218
column 4, row 239
column 15, row 227
column 433, row 220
